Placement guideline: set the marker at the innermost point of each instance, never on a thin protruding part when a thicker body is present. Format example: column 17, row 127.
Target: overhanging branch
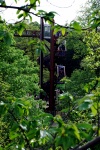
column 25, row 9
column 20, row 8
column 90, row 144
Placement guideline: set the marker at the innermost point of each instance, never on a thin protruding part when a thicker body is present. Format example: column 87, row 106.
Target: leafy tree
column 90, row 15
column 18, row 78
column 17, row 70
column 91, row 61
column 84, row 85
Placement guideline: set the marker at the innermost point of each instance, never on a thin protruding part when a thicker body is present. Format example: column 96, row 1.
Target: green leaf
column 85, row 135
column 66, row 144
column 94, row 110
column 23, row 102
column 63, row 31
column 56, row 28
column 18, row 111
column 43, row 133
column 30, row 17
column 24, row 127
column 41, row 12
column 1, row 34
column 85, row 98
column 85, row 105
column 59, row 120
column 20, row 31
column 25, row 14
column 86, row 88
column 76, row 131
column 58, row 140
column 16, row 1
column 38, row 1
column 2, row 110
column 31, row 134
column 65, row 110
column 38, row 52
column 84, row 126
column 13, row 135
column 66, row 96
column 18, row 11
column 7, row 38
column 51, row 14
column 76, row 25
column 15, row 127
column 32, row 1
column 20, row 16
column 64, row 141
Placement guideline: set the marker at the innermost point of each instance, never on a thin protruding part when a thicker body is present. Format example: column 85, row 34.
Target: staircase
column 60, row 71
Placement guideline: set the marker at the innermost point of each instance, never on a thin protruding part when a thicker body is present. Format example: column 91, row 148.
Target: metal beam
column 52, row 67
column 29, row 33
column 41, row 54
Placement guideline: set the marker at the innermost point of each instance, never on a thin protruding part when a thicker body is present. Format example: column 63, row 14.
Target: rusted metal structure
column 55, row 51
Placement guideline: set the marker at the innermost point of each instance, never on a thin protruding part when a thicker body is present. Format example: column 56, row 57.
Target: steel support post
column 52, row 68
column 41, row 53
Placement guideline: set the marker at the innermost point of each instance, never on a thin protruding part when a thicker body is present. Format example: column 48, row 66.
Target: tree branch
column 28, row 11
column 90, row 144
column 20, row 8
column 22, row 131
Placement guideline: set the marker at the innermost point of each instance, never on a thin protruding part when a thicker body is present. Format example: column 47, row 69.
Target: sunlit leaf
column 32, row 1
column 20, row 16
column 84, row 126
column 85, row 105
column 94, row 110
column 63, row 31
column 76, row 25
column 18, row 11
column 13, row 135
column 76, row 131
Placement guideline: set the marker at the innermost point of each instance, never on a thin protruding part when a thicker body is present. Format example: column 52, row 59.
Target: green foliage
column 91, row 61
column 90, row 15
column 75, row 41
column 75, row 85
column 5, row 37
column 25, row 119
column 31, row 46
column 57, row 28
column 18, row 70
column 24, row 124
column 48, row 16
column 76, row 25
column 19, row 28
column 66, row 134
column 80, row 101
